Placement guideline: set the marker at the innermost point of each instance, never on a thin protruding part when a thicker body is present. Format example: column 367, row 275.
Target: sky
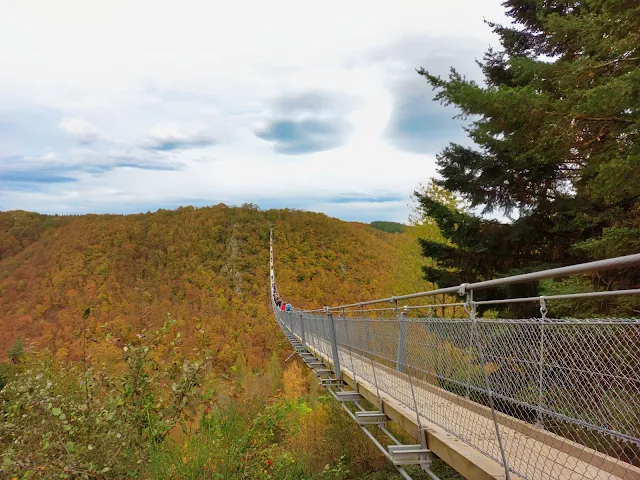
column 127, row 106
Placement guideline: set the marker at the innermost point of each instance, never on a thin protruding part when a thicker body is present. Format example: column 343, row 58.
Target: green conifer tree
column 556, row 131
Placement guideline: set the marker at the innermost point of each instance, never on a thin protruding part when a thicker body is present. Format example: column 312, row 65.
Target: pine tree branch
column 617, row 60
column 579, row 116
column 602, row 119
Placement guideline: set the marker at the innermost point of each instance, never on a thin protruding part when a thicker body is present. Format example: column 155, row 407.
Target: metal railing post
column 402, row 341
column 401, row 362
column 469, row 298
column 543, row 319
column 303, row 337
column 349, row 347
column 334, row 344
column 470, row 307
column 370, row 353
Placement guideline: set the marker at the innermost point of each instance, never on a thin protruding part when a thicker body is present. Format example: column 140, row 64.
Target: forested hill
column 207, row 267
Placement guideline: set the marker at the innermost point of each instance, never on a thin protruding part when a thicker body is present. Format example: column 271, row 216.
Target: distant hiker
column 283, row 307
column 288, row 307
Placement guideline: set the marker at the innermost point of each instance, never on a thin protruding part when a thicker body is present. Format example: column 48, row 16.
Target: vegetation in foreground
column 162, row 417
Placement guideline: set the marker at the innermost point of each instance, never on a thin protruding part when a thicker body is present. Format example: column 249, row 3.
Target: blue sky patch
column 172, row 145
column 307, row 122
column 36, row 173
column 367, row 199
column 30, row 132
column 157, row 166
column 36, row 176
column 420, row 125
column 296, row 137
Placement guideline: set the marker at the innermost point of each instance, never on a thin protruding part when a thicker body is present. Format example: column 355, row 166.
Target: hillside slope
column 207, row 267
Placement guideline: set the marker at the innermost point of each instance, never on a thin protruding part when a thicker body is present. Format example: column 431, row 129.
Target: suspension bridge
column 542, row 398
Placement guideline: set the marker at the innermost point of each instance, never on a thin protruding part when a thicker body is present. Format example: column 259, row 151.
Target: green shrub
column 71, row 421
column 6, row 373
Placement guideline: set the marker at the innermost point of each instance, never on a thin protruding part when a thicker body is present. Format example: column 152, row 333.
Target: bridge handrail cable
column 595, row 266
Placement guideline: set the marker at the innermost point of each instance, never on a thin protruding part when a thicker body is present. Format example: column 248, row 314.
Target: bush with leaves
column 250, row 439
column 78, row 421
column 16, row 351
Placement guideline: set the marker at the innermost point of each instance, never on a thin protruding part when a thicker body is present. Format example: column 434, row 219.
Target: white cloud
column 170, row 136
column 156, row 90
column 80, row 130
column 166, row 131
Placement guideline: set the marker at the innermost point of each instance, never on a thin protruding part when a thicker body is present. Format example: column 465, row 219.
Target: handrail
column 598, row 265
column 566, row 296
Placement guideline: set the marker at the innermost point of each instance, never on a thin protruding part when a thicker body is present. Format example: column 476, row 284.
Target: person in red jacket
column 282, row 308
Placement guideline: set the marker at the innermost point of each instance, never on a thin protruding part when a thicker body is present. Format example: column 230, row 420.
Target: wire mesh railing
column 576, row 379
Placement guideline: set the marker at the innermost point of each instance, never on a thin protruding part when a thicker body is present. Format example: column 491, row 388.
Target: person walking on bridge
column 288, row 307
